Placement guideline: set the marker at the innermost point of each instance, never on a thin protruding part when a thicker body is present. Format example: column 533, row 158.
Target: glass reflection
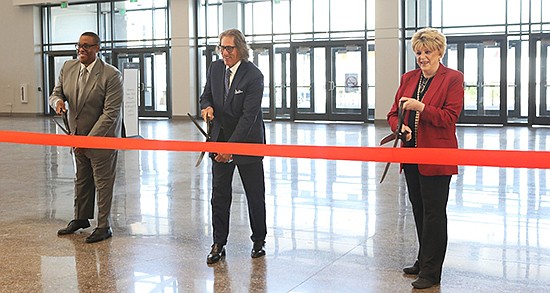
column 144, row 282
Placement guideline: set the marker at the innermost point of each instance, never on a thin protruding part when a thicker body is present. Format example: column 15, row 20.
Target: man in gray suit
column 93, row 92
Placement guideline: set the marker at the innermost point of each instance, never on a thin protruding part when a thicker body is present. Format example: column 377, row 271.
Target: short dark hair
column 240, row 42
column 93, row 35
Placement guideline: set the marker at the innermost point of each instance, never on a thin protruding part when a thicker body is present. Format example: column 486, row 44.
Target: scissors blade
column 66, row 122
column 207, row 135
column 387, row 138
column 389, row 163
column 61, row 126
column 396, row 136
column 199, row 159
column 385, row 171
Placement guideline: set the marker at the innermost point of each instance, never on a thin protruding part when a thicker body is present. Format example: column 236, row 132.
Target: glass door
column 207, row 55
column 154, row 98
column 483, row 62
column 308, row 97
column 52, row 69
column 329, row 82
column 275, row 66
column 539, row 72
column 263, row 58
column 345, row 91
column 517, row 82
column 281, row 80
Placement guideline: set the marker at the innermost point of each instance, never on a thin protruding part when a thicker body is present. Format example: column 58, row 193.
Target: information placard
column 131, row 98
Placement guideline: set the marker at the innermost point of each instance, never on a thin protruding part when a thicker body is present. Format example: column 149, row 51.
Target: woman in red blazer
column 432, row 98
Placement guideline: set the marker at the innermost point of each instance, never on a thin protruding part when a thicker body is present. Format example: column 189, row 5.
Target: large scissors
column 65, row 128
column 206, row 134
column 395, row 136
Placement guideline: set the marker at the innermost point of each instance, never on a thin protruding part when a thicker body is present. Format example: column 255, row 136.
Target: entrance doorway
column 154, row 97
column 539, row 79
column 483, row 62
column 329, row 81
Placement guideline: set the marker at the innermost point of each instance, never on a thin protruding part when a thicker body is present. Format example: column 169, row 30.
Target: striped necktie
column 226, row 82
column 82, row 83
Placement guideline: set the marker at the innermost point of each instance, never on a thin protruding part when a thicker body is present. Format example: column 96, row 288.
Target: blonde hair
column 431, row 39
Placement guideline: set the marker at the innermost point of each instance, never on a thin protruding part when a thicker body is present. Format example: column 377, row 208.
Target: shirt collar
column 89, row 67
column 234, row 68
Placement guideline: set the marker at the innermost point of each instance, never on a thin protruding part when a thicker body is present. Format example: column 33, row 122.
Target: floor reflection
column 332, row 226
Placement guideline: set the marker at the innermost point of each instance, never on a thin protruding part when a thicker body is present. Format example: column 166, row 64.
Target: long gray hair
column 240, row 42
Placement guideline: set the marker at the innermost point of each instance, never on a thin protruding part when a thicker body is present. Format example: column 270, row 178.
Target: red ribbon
column 438, row 156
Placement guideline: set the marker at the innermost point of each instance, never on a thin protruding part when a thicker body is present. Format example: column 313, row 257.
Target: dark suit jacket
column 443, row 101
column 240, row 117
column 98, row 112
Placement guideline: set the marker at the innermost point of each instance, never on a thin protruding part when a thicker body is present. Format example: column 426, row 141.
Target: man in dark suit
column 232, row 100
column 93, row 91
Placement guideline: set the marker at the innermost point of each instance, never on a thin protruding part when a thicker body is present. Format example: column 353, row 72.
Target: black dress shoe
column 412, row 270
column 73, row 226
column 421, row 283
column 217, row 253
column 258, row 249
column 99, row 234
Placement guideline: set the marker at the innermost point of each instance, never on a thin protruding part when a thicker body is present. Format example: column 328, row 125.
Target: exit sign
column 64, row 4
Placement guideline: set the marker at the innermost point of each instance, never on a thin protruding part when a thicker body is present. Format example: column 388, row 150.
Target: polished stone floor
column 331, row 226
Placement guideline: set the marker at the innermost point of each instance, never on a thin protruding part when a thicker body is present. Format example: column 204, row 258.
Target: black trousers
column 429, row 196
column 252, row 177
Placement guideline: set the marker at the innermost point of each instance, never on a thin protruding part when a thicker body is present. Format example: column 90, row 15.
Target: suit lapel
column 92, row 79
column 436, row 83
column 241, row 71
column 412, row 84
column 73, row 82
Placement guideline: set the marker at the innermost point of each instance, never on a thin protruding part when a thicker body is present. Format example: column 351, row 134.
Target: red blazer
column 437, row 125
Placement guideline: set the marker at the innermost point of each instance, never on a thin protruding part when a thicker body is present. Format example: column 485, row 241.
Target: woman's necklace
column 422, row 83
column 421, row 86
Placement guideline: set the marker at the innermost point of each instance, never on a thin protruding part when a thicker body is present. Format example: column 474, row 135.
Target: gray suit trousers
column 95, row 169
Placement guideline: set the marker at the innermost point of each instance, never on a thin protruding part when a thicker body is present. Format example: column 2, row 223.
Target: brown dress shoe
column 99, row 234
column 412, row 270
column 73, row 226
column 421, row 283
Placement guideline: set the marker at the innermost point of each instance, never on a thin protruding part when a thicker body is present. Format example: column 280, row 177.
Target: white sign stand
column 131, row 98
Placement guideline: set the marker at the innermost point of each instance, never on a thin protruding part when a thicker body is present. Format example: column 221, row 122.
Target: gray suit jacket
column 98, row 112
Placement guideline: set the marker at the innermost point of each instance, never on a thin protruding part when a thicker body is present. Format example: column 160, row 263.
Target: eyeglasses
column 229, row 49
column 84, row 46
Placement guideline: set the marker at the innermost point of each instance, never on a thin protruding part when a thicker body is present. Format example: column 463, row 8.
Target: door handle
column 331, row 85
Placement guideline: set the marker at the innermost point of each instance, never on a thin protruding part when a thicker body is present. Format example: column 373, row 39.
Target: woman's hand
column 407, row 131
column 412, row 104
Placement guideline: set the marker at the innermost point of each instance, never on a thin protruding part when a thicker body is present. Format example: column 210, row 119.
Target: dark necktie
column 226, row 82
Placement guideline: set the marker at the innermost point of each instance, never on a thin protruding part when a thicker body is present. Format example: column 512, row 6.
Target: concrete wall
column 388, row 56
column 20, row 59
column 184, row 92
